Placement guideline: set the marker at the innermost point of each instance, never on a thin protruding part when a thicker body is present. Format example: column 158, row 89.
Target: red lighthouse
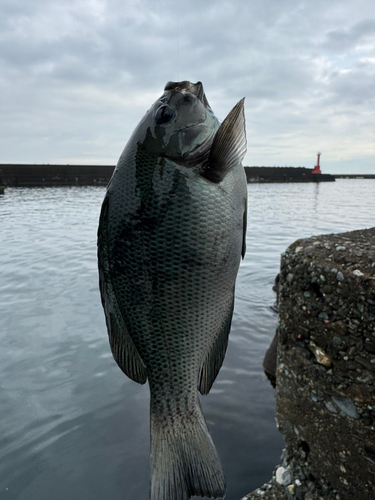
column 317, row 166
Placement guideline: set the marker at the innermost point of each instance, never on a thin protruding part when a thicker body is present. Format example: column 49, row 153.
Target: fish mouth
column 195, row 139
column 192, row 88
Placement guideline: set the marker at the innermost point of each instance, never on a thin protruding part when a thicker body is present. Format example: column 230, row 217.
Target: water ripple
column 73, row 426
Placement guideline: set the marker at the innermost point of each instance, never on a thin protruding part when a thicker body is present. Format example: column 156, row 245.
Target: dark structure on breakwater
column 355, row 176
column 285, row 174
column 29, row 175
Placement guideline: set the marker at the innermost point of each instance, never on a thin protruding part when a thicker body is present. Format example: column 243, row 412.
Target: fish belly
column 175, row 263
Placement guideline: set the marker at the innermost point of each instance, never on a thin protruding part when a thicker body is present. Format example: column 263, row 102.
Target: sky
column 76, row 76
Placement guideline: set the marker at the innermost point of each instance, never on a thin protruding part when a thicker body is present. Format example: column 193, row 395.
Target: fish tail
column 184, row 461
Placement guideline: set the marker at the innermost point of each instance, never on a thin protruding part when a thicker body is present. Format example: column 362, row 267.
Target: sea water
column 72, row 425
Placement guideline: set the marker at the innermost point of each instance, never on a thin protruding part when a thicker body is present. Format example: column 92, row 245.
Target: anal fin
column 125, row 352
column 212, row 363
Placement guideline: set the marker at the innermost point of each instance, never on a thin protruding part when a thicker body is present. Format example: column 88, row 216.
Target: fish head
column 180, row 125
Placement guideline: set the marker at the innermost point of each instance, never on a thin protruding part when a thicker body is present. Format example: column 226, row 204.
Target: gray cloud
column 343, row 40
column 76, row 76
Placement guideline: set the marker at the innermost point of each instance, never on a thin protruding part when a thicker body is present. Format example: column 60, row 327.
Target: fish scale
column 170, row 240
column 166, row 253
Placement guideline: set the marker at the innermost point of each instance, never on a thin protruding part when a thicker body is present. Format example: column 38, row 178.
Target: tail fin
column 184, row 461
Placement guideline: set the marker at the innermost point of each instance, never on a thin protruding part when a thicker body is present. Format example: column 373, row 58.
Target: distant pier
column 285, row 174
column 355, row 176
column 34, row 175
column 38, row 175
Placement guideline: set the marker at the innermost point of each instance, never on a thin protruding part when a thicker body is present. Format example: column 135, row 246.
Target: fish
column 170, row 240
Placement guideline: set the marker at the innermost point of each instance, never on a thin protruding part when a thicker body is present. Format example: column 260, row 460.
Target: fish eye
column 164, row 114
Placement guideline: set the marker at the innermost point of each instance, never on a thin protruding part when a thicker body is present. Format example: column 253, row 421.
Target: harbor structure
column 317, row 166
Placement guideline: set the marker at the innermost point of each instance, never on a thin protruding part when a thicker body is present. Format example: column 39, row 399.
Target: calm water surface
column 73, row 427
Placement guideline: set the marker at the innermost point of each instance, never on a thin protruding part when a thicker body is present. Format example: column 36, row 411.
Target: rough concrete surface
column 325, row 380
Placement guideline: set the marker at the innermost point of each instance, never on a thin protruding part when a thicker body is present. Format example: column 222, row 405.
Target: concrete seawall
column 325, row 374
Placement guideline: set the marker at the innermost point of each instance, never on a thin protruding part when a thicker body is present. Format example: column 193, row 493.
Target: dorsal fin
column 229, row 145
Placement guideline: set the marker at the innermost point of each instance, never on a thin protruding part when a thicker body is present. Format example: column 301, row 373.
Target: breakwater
column 285, row 174
column 325, row 370
column 355, row 176
column 30, row 175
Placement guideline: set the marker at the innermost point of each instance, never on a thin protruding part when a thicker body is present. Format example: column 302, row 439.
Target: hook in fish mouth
column 193, row 88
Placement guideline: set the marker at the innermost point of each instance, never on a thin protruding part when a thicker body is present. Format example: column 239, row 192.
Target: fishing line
column 178, row 40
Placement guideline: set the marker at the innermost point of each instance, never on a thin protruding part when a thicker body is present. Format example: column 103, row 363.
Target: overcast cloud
column 76, row 76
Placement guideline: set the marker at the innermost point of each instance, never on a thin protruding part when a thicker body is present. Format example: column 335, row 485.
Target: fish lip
column 192, row 88
column 201, row 151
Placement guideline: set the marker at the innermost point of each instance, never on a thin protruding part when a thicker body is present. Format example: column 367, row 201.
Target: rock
column 283, row 476
column 291, row 489
column 320, row 355
column 337, row 341
column 357, row 272
column 325, row 376
column 346, row 406
column 339, row 276
column 330, row 407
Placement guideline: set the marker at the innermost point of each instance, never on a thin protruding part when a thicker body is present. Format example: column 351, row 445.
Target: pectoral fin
column 122, row 345
column 229, row 145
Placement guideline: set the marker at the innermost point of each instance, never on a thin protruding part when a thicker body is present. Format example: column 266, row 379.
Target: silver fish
column 170, row 239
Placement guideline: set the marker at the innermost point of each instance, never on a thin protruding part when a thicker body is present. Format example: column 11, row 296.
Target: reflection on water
column 73, row 427
column 316, row 196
